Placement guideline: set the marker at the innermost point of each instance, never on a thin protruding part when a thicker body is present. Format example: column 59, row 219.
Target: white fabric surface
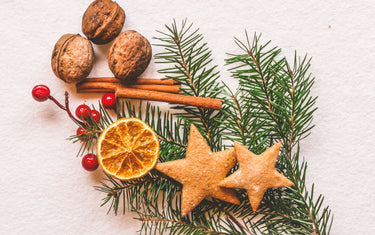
column 45, row 190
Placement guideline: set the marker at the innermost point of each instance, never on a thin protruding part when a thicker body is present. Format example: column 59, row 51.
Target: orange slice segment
column 128, row 149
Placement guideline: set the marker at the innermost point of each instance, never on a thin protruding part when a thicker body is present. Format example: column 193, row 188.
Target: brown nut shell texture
column 72, row 58
column 129, row 55
column 103, row 21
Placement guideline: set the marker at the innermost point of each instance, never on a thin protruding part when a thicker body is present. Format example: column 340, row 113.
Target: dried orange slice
column 128, row 149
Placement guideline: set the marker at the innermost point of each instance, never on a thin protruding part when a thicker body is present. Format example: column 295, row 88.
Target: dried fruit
column 103, row 21
column 72, row 58
column 128, row 149
column 129, row 55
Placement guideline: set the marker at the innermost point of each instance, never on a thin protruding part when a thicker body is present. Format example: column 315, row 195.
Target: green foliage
column 92, row 130
column 273, row 103
column 189, row 63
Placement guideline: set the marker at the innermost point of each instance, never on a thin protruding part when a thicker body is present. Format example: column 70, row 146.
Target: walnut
column 129, row 55
column 103, row 21
column 72, row 58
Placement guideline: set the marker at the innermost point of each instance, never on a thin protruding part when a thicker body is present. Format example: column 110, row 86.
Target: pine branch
column 279, row 98
column 166, row 218
column 241, row 124
column 144, row 196
column 92, row 130
column 189, row 62
column 178, row 226
column 272, row 103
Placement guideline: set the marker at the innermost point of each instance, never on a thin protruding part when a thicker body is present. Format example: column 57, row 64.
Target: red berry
column 83, row 111
column 40, row 93
column 95, row 115
column 80, row 133
column 90, row 162
column 109, row 101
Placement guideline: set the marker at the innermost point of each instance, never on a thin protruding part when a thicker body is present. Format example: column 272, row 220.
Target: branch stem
column 171, row 141
column 231, row 217
column 201, row 110
column 66, row 107
column 145, row 219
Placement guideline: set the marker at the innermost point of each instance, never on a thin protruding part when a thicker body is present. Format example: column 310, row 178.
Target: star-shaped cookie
column 200, row 172
column 256, row 173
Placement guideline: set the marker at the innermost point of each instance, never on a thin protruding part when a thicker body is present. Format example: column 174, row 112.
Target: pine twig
column 171, row 141
column 189, row 61
column 231, row 217
column 149, row 219
column 66, row 107
column 275, row 89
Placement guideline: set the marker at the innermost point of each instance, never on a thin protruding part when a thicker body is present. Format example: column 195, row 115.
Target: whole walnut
column 129, row 55
column 72, row 58
column 103, row 21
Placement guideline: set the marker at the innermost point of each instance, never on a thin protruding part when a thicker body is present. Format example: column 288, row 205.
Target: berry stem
column 66, row 107
column 57, row 102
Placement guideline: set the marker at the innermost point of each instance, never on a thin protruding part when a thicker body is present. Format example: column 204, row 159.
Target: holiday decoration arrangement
column 223, row 161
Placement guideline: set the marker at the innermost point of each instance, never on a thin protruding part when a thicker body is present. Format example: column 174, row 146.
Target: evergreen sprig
column 189, row 63
column 273, row 103
column 135, row 194
column 280, row 107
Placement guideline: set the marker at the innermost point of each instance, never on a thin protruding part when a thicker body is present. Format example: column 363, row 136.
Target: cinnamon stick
column 95, row 90
column 139, row 81
column 88, row 87
column 97, row 85
column 209, row 103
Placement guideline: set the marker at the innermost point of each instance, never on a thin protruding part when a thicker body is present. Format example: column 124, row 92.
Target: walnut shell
column 129, row 55
column 72, row 58
column 103, row 21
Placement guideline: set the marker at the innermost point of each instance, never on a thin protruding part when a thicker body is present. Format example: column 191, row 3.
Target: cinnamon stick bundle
column 108, row 84
column 209, row 103
column 139, row 81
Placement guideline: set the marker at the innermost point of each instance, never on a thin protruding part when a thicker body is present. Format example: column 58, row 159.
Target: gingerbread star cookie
column 200, row 172
column 256, row 173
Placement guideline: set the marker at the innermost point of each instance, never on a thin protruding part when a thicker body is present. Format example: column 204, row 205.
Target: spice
column 92, row 85
column 139, row 81
column 202, row 102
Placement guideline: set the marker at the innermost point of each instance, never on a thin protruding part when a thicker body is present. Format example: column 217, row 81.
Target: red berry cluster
column 83, row 112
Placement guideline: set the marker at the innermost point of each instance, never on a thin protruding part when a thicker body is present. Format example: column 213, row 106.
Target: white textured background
column 43, row 188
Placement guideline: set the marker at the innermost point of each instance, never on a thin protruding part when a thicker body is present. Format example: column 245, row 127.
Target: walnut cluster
column 73, row 55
